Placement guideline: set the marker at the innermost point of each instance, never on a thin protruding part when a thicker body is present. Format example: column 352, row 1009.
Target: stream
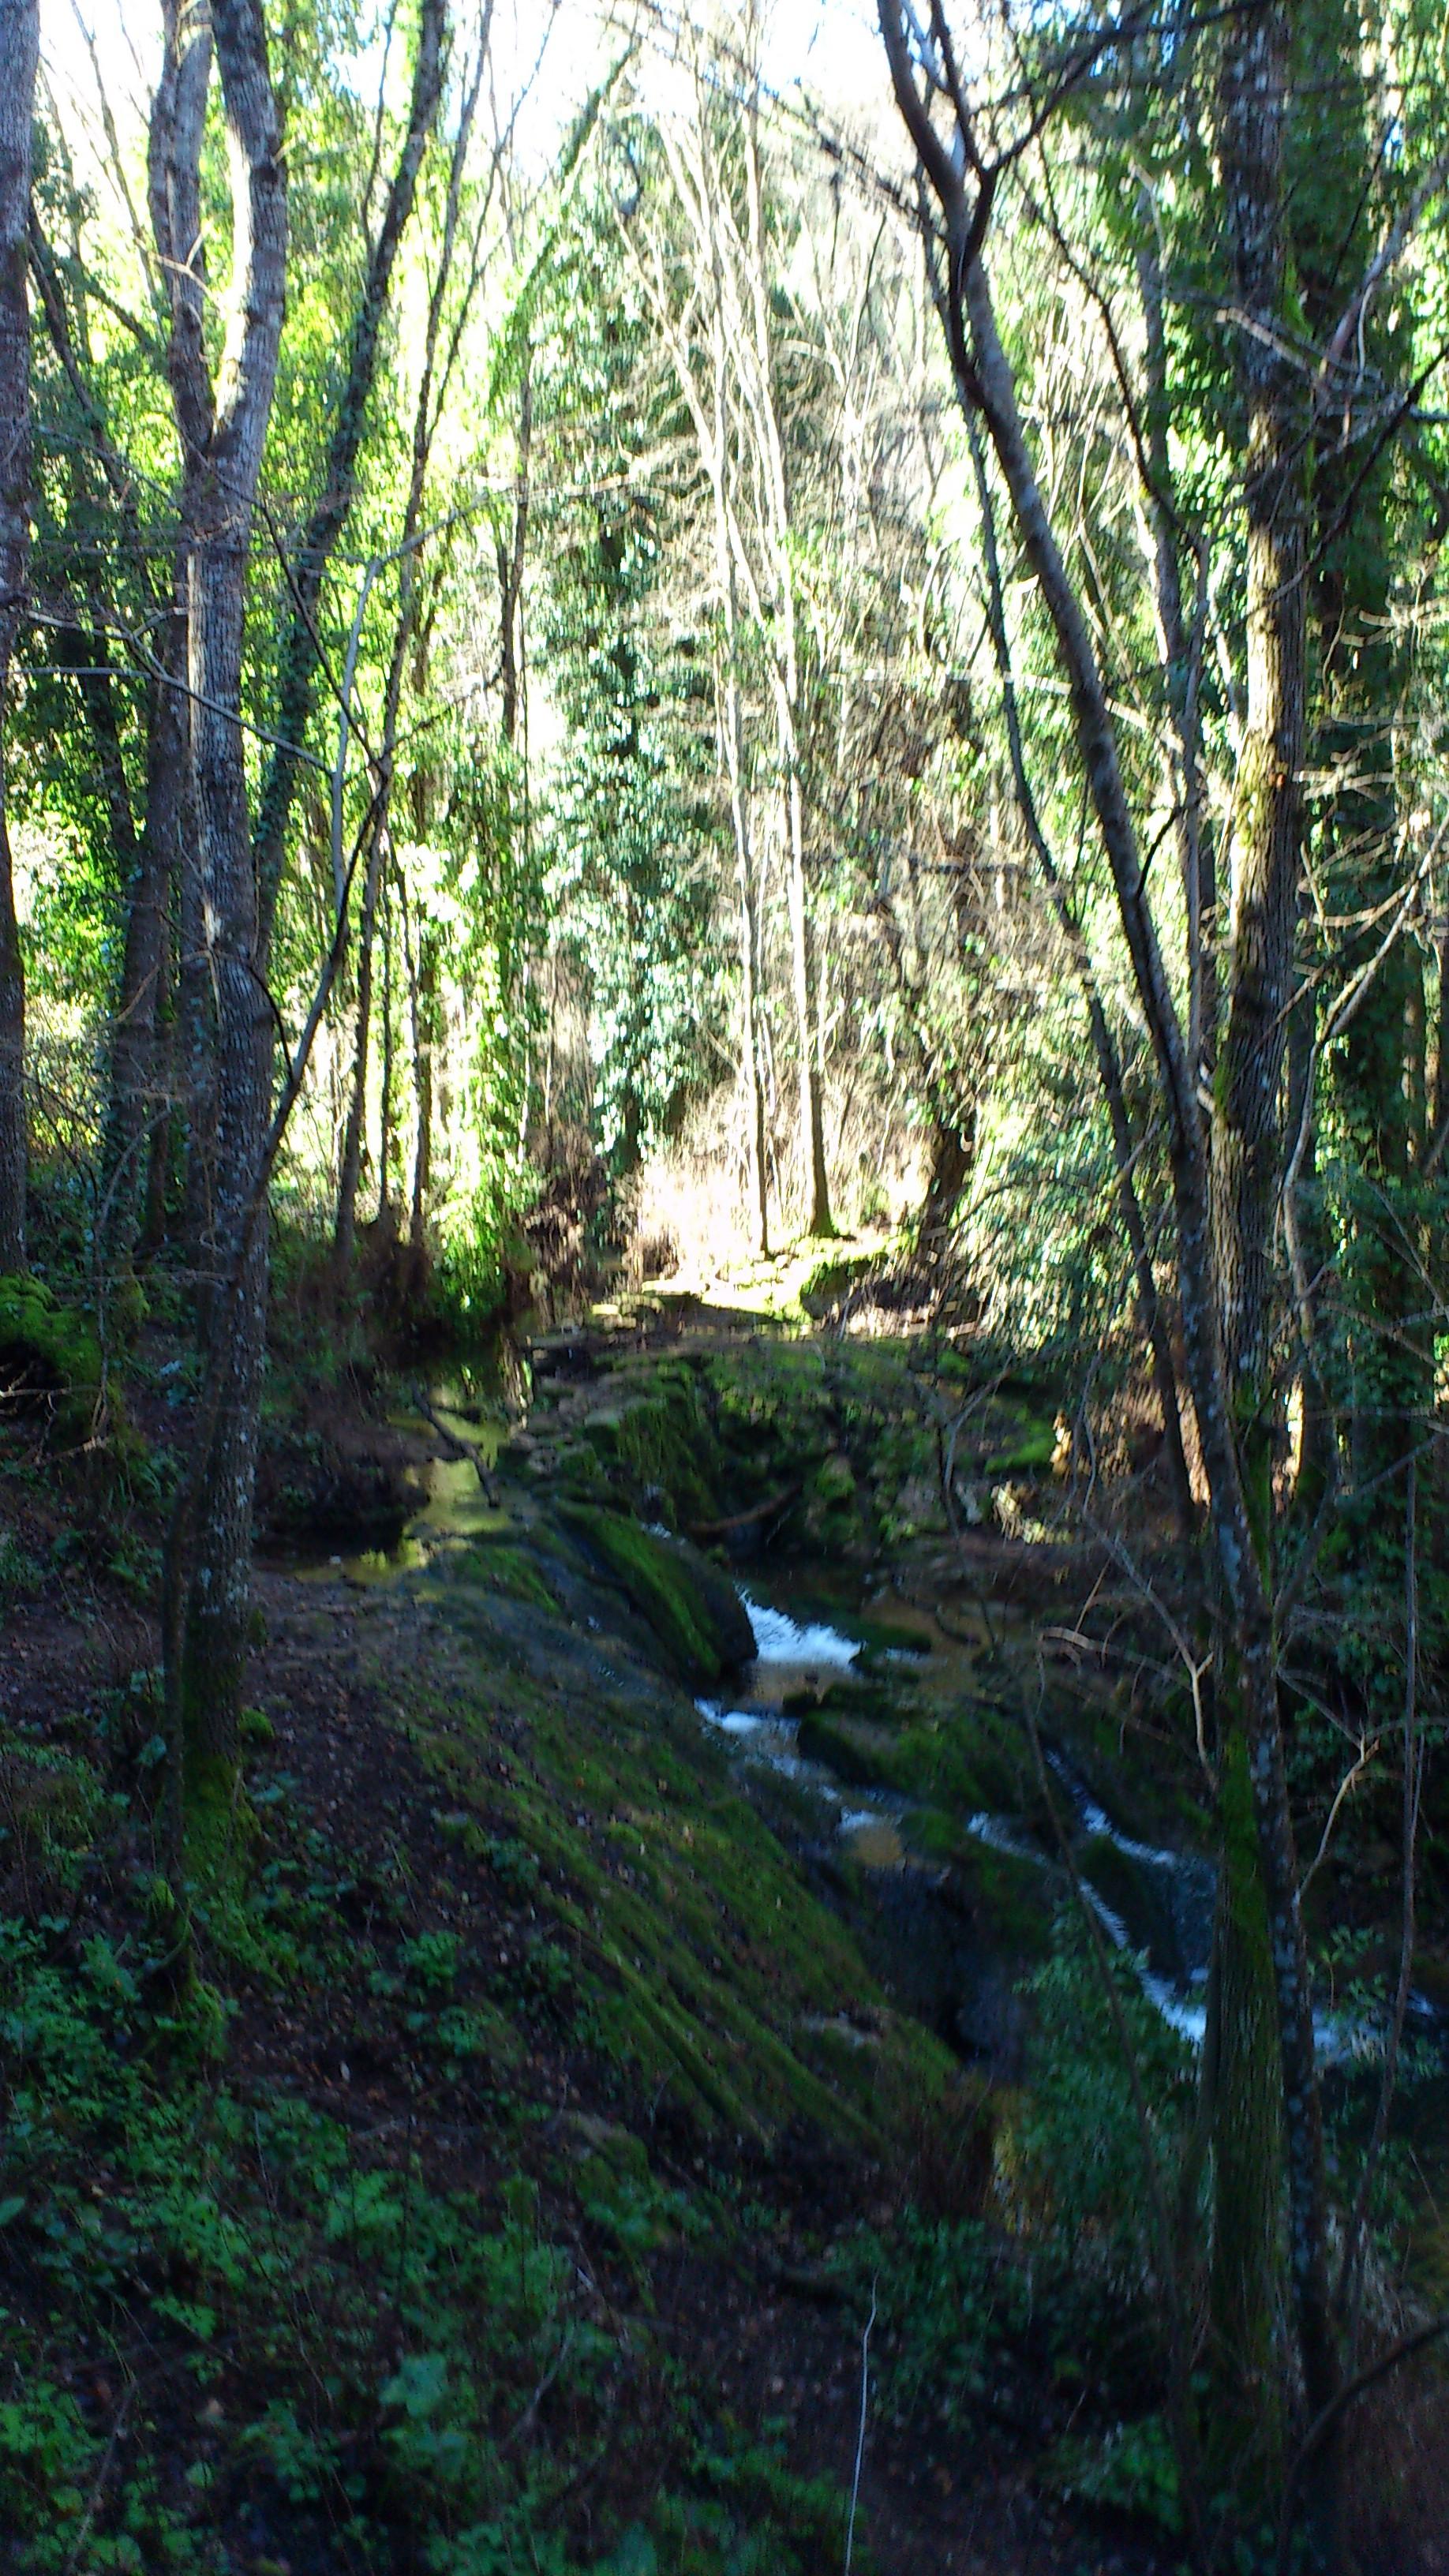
column 1153, row 1904
column 1156, row 1906
column 1163, row 1908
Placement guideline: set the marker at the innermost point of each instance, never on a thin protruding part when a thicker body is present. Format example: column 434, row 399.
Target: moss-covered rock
column 654, row 1436
column 49, row 1355
column 504, row 1567
column 844, row 1267
column 849, row 1749
column 692, row 1608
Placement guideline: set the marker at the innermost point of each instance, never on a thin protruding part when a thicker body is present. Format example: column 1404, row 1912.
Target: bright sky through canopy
column 829, row 48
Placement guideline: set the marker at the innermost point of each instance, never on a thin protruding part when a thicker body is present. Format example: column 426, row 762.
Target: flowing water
column 1152, row 1903
column 791, row 1660
column 1168, row 1931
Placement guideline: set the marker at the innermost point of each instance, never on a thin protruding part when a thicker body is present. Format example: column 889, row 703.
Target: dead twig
column 860, row 2436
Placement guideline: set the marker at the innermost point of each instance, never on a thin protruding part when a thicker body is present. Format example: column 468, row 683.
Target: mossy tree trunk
column 928, row 84
column 19, row 44
column 1247, row 1164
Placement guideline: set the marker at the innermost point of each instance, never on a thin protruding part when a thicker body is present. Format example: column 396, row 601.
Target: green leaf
column 419, row 2384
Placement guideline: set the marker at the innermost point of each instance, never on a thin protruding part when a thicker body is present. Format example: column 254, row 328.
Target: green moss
column 219, row 1824
column 692, row 1608
column 849, row 1749
column 720, row 1977
column 48, row 1349
column 503, row 1567
column 842, row 1268
column 1008, row 1893
column 1027, row 1451
column 665, row 1445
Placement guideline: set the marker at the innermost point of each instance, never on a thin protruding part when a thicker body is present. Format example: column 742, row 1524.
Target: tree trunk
column 344, row 1229
column 207, row 1577
column 953, row 1160
column 424, row 425
column 1247, row 1159
column 808, row 1031
column 716, row 446
column 163, row 1126
column 19, row 41
column 426, row 1032
column 1154, row 1319
column 384, row 1142
column 171, row 841
column 431, row 1033
column 173, row 180
column 1180, row 651
column 301, row 652
column 1317, row 1447
column 1244, row 2426
column 511, row 559
column 984, row 381
column 144, row 862
column 196, row 1045
column 762, row 410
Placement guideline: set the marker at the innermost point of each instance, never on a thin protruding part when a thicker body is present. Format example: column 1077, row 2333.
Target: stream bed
column 1161, row 1903
column 1152, row 1902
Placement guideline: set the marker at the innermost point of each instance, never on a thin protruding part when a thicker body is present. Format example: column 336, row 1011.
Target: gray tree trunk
column 207, row 1577
column 301, row 651
column 19, row 41
column 1247, row 1165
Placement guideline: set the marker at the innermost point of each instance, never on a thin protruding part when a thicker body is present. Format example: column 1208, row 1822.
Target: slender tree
column 307, row 568
column 19, row 42
column 222, row 426
column 963, row 183
column 427, row 413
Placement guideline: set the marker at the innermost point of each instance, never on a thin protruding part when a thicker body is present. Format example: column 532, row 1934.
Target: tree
column 19, row 42
column 1221, row 1223
column 222, row 426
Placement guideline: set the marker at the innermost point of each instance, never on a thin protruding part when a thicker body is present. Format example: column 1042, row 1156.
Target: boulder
column 691, row 1606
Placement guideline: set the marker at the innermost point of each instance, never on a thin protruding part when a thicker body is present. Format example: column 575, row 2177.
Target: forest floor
column 507, row 2179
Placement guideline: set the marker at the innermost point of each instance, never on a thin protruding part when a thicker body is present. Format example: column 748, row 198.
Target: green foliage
column 631, row 833
column 1132, row 2468
column 947, row 2295
column 1080, row 2135
column 21, row 1574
